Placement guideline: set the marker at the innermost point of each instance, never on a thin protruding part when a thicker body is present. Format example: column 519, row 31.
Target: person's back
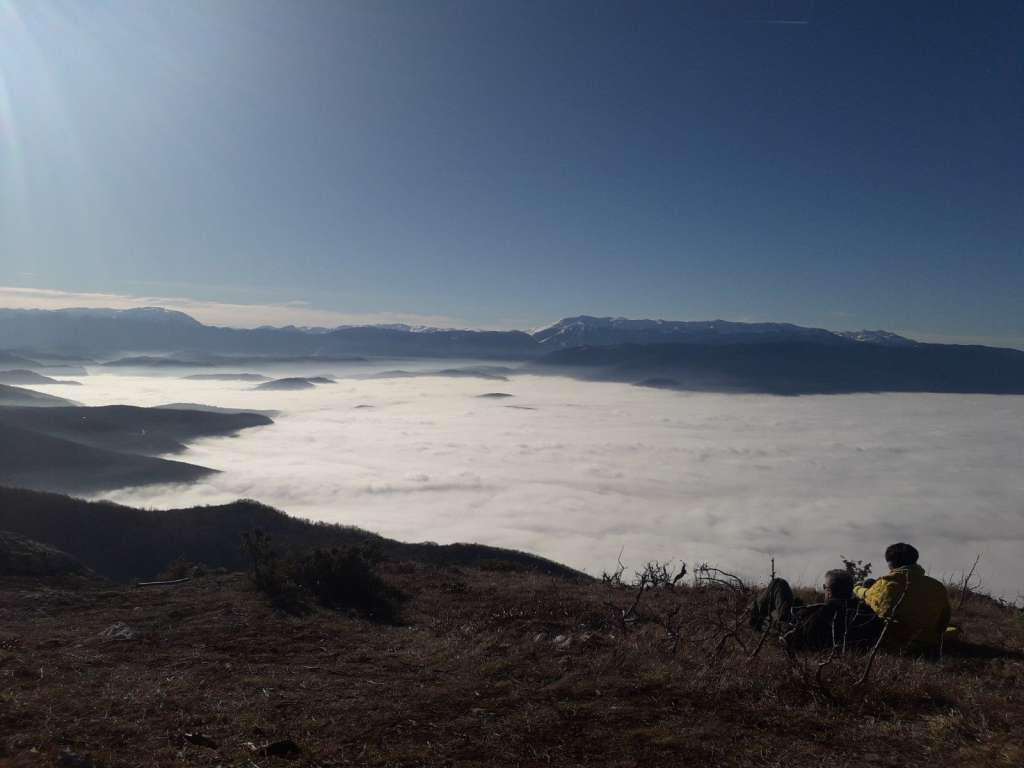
column 847, row 624
column 841, row 622
column 915, row 605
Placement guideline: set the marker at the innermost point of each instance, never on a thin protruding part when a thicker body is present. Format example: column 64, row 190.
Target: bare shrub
column 858, row 569
column 341, row 578
column 264, row 564
column 180, row 568
column 346, row 579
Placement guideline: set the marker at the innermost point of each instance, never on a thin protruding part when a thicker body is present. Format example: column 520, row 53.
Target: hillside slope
column 35, row 460
column 128, row 428
column 20, row 376
column 487, row 668
column 122, row 542
column 18, row 396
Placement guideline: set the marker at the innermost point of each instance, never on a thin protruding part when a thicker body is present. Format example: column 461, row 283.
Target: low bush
column 180, row 568
column 346, row 579
column 341, row 578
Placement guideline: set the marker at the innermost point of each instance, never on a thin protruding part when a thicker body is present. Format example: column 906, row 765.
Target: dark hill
column 128, row 428
column 35, row 460
column 152, row 361
column 215, row 409
column 14, row 360
column 292, row 383
column 18, row 396
column 226, row 377
column 122, row 542
column 488, row 372
column 798, row 368
column 22, row 376
column 491, row 372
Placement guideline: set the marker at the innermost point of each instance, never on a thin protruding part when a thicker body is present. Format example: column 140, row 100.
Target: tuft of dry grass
column 490, row 666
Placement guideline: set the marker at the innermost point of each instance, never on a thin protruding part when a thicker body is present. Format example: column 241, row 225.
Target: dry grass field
column 486, row 666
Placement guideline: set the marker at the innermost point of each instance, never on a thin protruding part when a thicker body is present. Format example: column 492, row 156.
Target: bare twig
column 965, row 584
column 764, row 636
column 881, row 635
column 656, row 576
column 771, row 623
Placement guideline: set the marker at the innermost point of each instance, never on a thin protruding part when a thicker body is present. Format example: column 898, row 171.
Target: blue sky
column 506, row 164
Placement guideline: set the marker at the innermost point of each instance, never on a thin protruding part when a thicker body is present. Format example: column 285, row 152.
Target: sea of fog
column 581, row 472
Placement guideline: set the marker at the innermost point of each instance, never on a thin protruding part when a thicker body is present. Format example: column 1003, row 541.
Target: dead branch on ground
column 162, row 583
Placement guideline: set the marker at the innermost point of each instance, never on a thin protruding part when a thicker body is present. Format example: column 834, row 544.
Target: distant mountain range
column 108, row 332
column 714, row 355
column 143, row 333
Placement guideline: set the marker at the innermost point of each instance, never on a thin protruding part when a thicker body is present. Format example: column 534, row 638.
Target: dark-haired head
column 839, row 584
column 900, row 555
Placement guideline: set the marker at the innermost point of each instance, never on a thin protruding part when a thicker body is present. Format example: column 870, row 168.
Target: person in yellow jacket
column 915, row 606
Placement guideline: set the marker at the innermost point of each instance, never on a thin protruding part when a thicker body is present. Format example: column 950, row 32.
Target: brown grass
column 489, row 667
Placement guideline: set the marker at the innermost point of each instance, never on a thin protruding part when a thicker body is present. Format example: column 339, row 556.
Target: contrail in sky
column 798, row 22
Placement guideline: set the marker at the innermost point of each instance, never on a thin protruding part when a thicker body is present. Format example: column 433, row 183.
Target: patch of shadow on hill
column 123, row 542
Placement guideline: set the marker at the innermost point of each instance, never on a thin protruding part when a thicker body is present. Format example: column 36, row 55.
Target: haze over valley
column 578, row 471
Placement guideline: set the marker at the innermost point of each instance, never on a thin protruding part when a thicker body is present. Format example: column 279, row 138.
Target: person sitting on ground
column 915, row 606
column 841, row 621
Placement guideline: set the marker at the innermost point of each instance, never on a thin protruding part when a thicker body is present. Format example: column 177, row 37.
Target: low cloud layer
column 599, row 468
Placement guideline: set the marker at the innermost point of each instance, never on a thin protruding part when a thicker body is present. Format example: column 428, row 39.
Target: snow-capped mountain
column 585, row 330
column 884, row 338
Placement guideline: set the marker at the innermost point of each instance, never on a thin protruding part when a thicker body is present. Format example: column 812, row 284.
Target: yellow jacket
column 916, row 605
